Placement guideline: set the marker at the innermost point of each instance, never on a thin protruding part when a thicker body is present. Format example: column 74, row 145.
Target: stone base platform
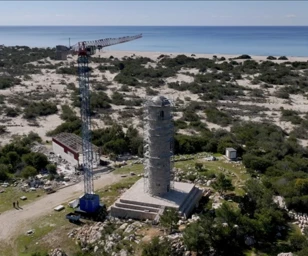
column 136, row 204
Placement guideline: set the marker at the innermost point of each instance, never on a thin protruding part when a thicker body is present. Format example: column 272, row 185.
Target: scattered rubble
column 57, row 252
column 30, row 232
column 301, row 219
column 104, row 236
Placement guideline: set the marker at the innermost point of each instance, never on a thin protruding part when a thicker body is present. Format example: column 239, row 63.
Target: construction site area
column 157, row 190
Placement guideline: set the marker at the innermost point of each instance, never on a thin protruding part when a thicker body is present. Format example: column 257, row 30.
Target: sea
column 256, row 40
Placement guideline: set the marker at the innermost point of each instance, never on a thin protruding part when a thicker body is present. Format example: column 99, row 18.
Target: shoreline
column 199, row 55
column 151, row 54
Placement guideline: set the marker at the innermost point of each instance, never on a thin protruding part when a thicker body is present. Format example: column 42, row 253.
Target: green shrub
column 68, row 113
column 68, row 126
column 189, row 115
column 290, row 116
column 282, row 93
column 243, row 57
column 180, row 124
column 12, row 112
column 218, row 117
column 283, row 58
column 67, row 70
column 71, row 86
column 118, row 99
column 150, row 91
column 42, row 108
column 2, row 98
column 99, row 100
column 7, row 82
column 28, row 171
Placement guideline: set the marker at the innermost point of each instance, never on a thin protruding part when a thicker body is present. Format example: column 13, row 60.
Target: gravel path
column 14, row 222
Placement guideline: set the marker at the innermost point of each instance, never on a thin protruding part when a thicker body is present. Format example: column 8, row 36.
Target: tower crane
column 90, row 202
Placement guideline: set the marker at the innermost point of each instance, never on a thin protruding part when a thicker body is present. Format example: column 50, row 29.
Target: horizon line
column 153, row 25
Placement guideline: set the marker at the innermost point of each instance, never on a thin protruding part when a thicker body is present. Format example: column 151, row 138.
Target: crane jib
column 105, row 42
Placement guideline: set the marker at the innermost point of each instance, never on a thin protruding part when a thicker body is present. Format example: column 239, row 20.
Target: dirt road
column 14, row 222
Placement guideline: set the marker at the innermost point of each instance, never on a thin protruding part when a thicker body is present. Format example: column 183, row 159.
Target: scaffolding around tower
column 158, row 146
column 156, row 191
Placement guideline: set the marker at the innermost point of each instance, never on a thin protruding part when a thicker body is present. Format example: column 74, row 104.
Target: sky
column 147, row 13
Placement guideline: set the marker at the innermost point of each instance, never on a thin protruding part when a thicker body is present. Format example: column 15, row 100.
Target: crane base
column 99, row 215
column 89, row 203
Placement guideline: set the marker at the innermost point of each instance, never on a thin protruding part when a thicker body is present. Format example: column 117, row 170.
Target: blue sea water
column 289, row 41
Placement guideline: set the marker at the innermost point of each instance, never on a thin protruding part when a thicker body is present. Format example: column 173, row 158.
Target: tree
column 157, row 248
column 223, row 184
column 301, row 185
column 28, row 171
column 3, row 129
column 13, row 158
column 297, row 242
column 199, row 167
column 303, row 252
column 37, row 160
column 196, row 238
column 256, row 163
column 51, row 168
column 169, row 219
column 3, row 172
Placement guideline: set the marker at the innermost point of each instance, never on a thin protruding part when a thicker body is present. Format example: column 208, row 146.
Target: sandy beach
column 51, row 82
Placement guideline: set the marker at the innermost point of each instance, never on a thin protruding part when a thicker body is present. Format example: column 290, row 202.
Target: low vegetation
column 42, row 108
column 17, row 160
column 275, row 161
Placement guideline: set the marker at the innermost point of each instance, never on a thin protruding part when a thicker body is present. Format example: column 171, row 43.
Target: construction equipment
column 89, row 203
column 101, row 43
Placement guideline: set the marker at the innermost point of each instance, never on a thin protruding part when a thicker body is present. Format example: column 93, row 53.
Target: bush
column 243, row 57
column 3, row 172
column 2, row 98
column 68, row 113
column 67, row 70
column 150, row 91
column 42, row 108
column 184, row 144
column 191, row 116
column 283, row 58
column 157, row 248
column 218, row 117
column 51, row 168
column 117, row 98
column 3, row 129
column 180, row 124
column 71, row 86
column 68, row 126
column 28, row 171
column 36, row 160
column 7, row 82
column 99, row 100
column 290, row 116
column 12, row 112
column 282, row 93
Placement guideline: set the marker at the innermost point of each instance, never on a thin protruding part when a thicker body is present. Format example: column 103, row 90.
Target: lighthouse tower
column 158, row 140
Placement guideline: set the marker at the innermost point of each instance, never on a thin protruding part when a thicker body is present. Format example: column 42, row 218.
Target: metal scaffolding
column 158, row 146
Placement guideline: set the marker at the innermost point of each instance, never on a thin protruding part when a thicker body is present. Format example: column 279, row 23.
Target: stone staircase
column 190, row 201
column 135, row 210
column 125, row 208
